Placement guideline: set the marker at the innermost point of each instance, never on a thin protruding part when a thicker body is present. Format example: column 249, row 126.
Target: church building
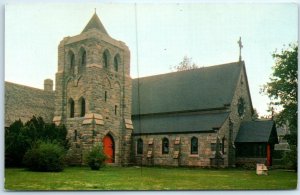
column 200, row 117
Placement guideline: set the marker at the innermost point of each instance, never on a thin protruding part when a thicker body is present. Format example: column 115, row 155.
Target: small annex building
column 200, row 117
column 255, row 144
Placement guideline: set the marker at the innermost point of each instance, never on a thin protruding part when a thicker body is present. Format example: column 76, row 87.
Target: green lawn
column 147, row 178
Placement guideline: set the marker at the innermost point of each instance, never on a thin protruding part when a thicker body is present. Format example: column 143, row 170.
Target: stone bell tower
column 93, row 93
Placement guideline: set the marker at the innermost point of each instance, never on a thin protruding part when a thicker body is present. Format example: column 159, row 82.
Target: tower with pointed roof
column 93, row 93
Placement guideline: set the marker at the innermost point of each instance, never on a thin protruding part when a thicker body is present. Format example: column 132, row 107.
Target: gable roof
column 179, row 123
column 22, row 102
column 197, row 89
column 257, row 131
column 96, row 24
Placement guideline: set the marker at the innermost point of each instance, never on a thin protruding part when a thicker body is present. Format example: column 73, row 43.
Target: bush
column 48, row 157
column 278, row 154
column 290, row 158
column 19, row 138
column 250, row 165
column 96, row 158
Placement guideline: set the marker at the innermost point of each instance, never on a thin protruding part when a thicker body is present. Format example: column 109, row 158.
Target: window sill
column 75, row 117
column 194, row 155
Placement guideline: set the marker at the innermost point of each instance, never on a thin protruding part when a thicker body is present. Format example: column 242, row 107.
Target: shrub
column 96, row 157
column 16, row 144
column 19, row 138
column 45, row 156
column 278, row 154
column 290, row 158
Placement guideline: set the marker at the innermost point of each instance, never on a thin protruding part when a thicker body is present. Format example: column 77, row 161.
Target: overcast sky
column 163, row 34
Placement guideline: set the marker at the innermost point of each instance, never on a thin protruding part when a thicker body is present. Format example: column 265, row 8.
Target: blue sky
column 163, row 34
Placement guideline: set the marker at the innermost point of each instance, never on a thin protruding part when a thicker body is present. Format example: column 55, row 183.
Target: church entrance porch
column 255, row 142
column 109, row 148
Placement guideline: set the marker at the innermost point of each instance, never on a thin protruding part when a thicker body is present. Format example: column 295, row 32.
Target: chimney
column 48, row 85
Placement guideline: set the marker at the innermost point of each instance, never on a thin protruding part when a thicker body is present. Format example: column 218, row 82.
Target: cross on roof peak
column 241, row 46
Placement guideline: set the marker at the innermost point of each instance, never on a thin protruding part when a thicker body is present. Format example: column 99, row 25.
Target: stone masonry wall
column 185, row 158
column 242, row 91
column 107, row 94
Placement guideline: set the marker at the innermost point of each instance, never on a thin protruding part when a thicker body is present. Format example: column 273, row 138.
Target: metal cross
column 241, row 46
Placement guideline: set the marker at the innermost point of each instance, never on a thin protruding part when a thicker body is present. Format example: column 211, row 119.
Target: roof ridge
column 259, row 121
column 25, row 87
column 190, row 70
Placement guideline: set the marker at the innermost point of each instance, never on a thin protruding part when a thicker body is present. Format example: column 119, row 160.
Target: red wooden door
column 269, row 157
column 108, row 146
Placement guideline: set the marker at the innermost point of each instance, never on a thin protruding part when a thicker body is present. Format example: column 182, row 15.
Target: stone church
column 200, row 117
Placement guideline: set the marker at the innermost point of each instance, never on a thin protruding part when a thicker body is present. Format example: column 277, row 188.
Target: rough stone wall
column 22, row 102
column 223, row 135
column 242, row 91
column 185, row 158
column 107, row 93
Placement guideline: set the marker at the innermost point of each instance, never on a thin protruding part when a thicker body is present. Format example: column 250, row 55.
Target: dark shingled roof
column 257, row 131
column 180, row 123
column 96, row 24
column 23, row 102
column 203, row 88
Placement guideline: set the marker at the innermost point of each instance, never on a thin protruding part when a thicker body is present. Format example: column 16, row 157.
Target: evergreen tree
column 19, row 138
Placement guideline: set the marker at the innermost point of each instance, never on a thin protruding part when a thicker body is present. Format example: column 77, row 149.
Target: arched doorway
column 109, row 148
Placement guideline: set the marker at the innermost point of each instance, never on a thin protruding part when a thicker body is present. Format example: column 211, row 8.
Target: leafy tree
column 185, row 64
column 283, row 86
column 283, row 91
column 19, row 138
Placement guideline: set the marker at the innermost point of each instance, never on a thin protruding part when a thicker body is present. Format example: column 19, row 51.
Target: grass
column 148, row 178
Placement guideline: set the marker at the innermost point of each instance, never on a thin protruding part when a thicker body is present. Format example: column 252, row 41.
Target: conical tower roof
column 95, row 23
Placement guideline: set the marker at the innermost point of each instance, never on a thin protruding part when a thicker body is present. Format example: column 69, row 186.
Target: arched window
column 82, row 106
column 223, row 145
column 71, row 108
column 116, row 62
column 194, row 145
column 105, row 96
column 116, row 109
column 83, row 58
column 105, row 59
column 72, row 62
column 165, row 146
column 139, row 146
column 75, row 135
